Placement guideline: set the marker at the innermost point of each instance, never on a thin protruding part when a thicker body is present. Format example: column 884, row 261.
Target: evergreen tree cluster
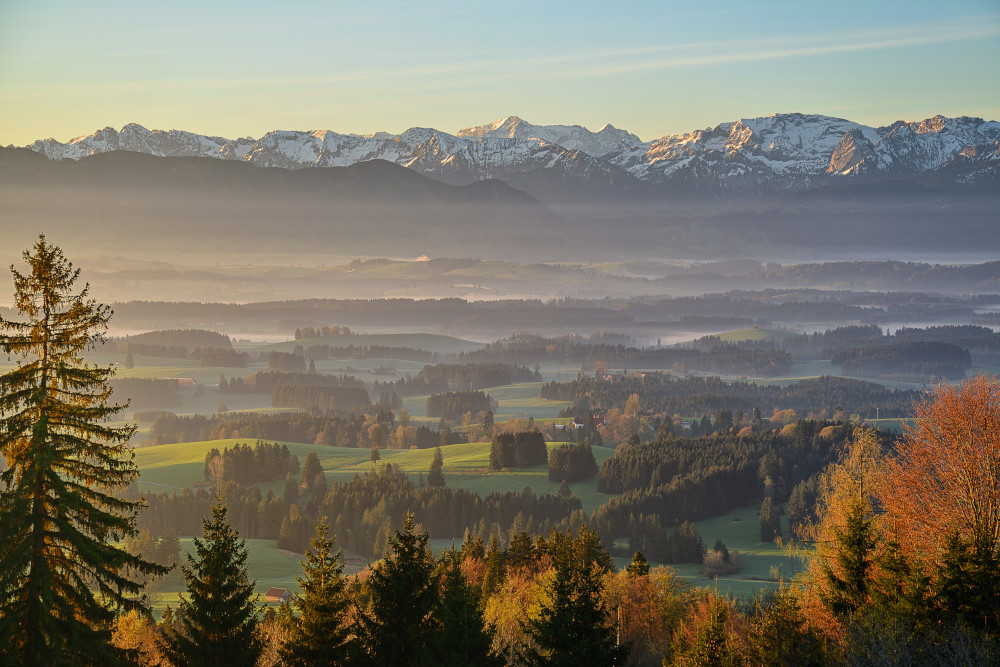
column 682, row 479
column 361, row 510
column 720, row 359
column 417, row 385
column 321, row 332
column 915, row 358
column 324, row 351
column 352, row 430
column 244, row 464
column 265, row 382
column 679, row 543
column 478, row 376
column 517, row 450
column 453, row 404
column 286, row 362
column 219, row 357
column 572, row 463
column 668, row 395
column 320, row 399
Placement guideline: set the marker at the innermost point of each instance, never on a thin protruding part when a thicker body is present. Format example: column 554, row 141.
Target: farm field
column 761, row 561
column 174, row 466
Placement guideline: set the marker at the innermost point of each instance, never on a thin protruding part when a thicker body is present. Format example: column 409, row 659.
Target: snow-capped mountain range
column 782, row 152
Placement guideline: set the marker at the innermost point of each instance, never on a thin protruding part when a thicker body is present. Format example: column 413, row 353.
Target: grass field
column 266, row 563
column 762, row 562
column 172, row 467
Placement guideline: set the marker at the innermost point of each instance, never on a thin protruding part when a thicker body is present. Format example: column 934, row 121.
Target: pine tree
column 310, row 469
column 639, row 566
column 854, row 556
column 570, row 628
column 62, row 573
column 460, row 637
column 403, row 592
column 219, row 623
column 436, row 477
column 319, row 636
column 770, row 521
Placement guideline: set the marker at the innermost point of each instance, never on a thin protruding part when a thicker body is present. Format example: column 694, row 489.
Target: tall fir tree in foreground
column 460, row 636
column 219, row 620
column 63, row 576
column 320, row 636
column 571, row 628
column 403, row 590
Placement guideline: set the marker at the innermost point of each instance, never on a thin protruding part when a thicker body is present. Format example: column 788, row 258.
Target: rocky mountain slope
column 747, row 158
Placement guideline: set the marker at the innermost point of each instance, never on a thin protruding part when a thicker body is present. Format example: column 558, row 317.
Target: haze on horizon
column 68, row 69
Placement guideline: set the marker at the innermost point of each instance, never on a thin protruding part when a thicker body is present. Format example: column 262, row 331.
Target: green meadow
column 763, row 563
column 174, row 466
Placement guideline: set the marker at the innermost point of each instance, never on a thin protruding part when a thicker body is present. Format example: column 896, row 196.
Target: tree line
column 453, row 404
column 364, row 510
column 517, row 450
column 439, row 378
column 719, row 359
column 323, row 399
column 917, row 359
column 669, row 395
column 571, row 463
column 665, row 483
column 376, row 427
column 244, row 464
column 264, row 382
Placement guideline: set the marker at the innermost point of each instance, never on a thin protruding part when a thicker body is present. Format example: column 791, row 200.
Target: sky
column 236, row 69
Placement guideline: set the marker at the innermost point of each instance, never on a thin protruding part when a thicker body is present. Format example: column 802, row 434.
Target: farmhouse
column 277, row 595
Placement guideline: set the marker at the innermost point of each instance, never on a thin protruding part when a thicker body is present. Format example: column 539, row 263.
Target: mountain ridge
column 744, row 158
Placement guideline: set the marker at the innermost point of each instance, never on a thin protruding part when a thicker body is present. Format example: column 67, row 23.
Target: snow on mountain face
column 772, row 153
column 785, row 144
column 133, row 138
column 574, row 137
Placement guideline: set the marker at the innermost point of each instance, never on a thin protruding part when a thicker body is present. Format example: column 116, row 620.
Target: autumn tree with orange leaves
column 945, row 477
column 907, row 545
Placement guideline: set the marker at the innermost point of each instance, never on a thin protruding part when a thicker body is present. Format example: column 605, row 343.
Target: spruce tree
column 63, row 575
column 219, row 619
column 460, row 636
column 849, row 588
column 436, row 477
column 403, row 593
column 319, row 636
column 571, row 626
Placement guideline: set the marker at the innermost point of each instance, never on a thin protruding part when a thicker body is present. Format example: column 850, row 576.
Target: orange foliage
column 473, row 570
column 946, row 476
column 646, row 609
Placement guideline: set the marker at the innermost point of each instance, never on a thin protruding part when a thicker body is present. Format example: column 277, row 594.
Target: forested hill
column 665, row 394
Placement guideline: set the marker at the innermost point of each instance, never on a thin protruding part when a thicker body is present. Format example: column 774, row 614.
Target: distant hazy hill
column 787, row 186
column 134, row 200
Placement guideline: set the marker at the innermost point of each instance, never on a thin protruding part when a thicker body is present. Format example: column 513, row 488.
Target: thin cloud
column 588, row 63
column 855, row 42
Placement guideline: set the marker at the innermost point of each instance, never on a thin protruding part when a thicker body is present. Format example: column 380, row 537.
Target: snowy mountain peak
column 779, row 152
column 571, row 137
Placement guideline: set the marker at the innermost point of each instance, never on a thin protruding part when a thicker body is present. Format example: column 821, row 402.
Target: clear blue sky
column 244, row 68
